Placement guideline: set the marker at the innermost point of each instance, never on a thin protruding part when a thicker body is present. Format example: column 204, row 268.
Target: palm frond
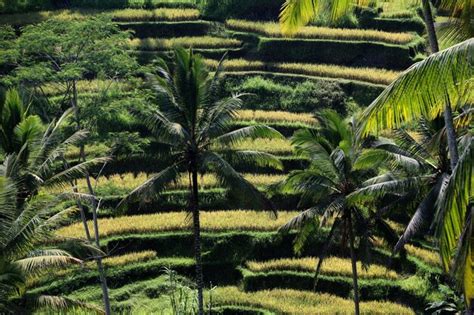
column 423, row 90
column 250, row 132
column 153, row 186
column 38, row 260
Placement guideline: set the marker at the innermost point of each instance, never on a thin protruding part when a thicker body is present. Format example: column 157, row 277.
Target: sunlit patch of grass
column 124, row 183
column 162, row 14
column 215, row 221
column 84, row 86
column 274, row 146
column 263, row 116
column 428, row 256
column 302, row 302
column 372, row 75
column 334, row 266
column 312, row 32
column 187, row 41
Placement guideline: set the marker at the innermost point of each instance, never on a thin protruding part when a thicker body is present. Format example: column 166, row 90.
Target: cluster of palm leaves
column 431, row 106
column 32, row 152
column 192, row 126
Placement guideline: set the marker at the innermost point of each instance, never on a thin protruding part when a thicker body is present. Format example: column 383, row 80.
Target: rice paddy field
column 250, row 266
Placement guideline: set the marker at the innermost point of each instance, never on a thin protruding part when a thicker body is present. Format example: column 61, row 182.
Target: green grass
column 371, row 75
column 333, row 266
column 311, row 32
column 203, row 42
column 122, row 184
column 121, row 15
column 301, row 302
column 215, row 221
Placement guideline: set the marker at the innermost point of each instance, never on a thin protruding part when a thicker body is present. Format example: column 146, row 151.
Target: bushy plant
column 306, row 96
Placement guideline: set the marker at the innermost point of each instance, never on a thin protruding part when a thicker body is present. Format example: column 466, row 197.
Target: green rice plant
column 122, row 15
column 154, row 15
column 333, row 266
column 428, row 256
column 215, row 221
column 128, row 258
column 372, row 75
column 263, row 116
column 400, row 14
column 85, row 86
column 121, row 184
column 186, row 42
column 312, row 32
column 274, row 146
column 284, row 301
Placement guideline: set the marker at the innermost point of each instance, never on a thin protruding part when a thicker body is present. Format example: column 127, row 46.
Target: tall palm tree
column 422, row 91
column 193, row 126
column 333, row 189
column 39, row 151
column 22, row 231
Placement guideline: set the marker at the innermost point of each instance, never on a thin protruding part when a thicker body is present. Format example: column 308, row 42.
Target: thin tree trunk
column 82, row 157
column 448, row 113
column 323, row 253
column 354, row 264
column 194, row 205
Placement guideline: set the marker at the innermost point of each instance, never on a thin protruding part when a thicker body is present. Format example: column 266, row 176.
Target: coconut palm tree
column 333, row 189
column 449, row 76
column 193, row 127
column 22, row 231
column 38, row 152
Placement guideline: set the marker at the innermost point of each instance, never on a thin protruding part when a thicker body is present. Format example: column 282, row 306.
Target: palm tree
column 422, row 91
column 22, row 231
column 36, row 151
column 334, row 190
column 193, row 126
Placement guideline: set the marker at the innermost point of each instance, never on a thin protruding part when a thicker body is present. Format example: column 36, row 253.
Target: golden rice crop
column 283, row 301
column 372, row 75
column 187, row 41
column 129, row 258
column 312, row 32
column 331, row 266
column 216, row 221
column 428, row 256
column 128, row 181
column 162, row 14
column 264, row 116
column 274, row 146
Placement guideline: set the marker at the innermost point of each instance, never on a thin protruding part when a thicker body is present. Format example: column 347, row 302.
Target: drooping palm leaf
column 423, row 90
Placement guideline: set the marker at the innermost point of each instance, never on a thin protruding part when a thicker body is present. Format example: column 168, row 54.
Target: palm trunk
column 323, row 253
column 82, row 157
column 194, row 208
column 354, row 264
column 448, row 114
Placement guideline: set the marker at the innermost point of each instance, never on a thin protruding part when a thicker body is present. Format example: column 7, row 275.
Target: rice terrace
column 246, row 157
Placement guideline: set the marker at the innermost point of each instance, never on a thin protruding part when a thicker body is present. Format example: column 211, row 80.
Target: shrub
column 195, row 42
column 270, row 29
column 413, row 24
column 299, row 302
column 334, row 266
column 305, row 96
column 362, row 93
column 348, row 53
column 211, row 221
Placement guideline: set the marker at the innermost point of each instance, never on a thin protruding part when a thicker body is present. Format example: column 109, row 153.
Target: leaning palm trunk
column 448, row 114
column 82, row 157
column 194, row 209
column 354, row 264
